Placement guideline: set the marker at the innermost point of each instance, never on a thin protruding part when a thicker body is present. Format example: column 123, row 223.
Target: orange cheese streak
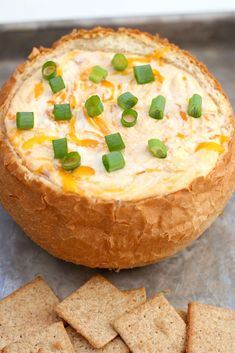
column 59, row 71
column 84, row 142
column 158, row 76
column 97, row 123
column 37, row 140
column 61, row 95
column 210, row 146
column 68, row 181
column 51, row 101
column 69, row 178
column 183, row 115
column 72, row 101
column 157, row 54
column 110, row 85
column 84, row 171
column 124, row 72
column 38, row 90
column 224, row 138
column 181, row 136
column 85, row 74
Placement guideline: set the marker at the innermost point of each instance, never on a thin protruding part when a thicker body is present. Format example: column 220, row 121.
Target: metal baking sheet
column 205, row 271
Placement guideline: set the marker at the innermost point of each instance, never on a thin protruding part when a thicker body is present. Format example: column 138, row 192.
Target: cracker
column 210, row 329
column 52, row 339
column 26, row 311
column 136, row 297
column 92, row 308
column 183, row 314
column 153, row 327
column 81, row 345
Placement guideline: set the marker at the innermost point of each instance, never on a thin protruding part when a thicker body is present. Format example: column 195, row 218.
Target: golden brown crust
column 111, row 234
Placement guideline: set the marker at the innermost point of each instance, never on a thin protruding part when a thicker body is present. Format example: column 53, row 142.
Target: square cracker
column 53, row 339
column 81, row 345
column 153, row 327
column 91, row 309
column 136, row 297
column 27, row 310
column 183, row 314
column 210, row 329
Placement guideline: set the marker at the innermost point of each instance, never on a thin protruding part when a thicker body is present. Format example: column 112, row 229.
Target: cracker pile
column 98, row 317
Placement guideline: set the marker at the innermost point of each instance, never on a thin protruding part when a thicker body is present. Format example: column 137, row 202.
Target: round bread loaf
column 154, row 198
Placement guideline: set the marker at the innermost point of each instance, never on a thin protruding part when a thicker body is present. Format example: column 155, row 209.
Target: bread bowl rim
column 13, row 164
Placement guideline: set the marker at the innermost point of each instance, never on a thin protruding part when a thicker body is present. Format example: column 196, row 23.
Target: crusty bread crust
column 112, row 234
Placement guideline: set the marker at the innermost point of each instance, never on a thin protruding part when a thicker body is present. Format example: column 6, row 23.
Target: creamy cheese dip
column 193, row 144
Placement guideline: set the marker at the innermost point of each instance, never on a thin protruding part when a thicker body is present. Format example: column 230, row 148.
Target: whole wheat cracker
column 81, row 345
column 27, row 310
column 183, row 314
column 136, row 297
column 210, row 329
column 153, row 327
column 53, row 339
column 91, row 309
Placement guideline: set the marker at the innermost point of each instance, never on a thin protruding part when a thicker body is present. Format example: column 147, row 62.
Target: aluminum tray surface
column 205, row 271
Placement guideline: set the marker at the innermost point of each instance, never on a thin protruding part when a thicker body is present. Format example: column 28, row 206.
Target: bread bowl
column 151, row 208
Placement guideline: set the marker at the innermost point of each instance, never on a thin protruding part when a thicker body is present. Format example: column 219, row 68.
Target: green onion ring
column 49, row 70
column 129, row 117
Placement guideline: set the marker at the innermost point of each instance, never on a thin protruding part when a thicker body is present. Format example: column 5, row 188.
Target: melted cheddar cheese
column 194, row 145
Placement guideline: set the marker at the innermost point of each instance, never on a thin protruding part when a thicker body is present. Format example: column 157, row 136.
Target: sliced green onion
column 113, row 161
column 157, row 148
column 98, row 74
column 24, row 120
column 94, row 106
column 56, row 84
column 195, row 106
column 71, row 161
column 129, row 117
column 49, row 70
column 60, row 147
column 127, row 100
column 157, row 107
column 115, row 142
column 62, row 111
column 143, row 74
column 119, row 62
